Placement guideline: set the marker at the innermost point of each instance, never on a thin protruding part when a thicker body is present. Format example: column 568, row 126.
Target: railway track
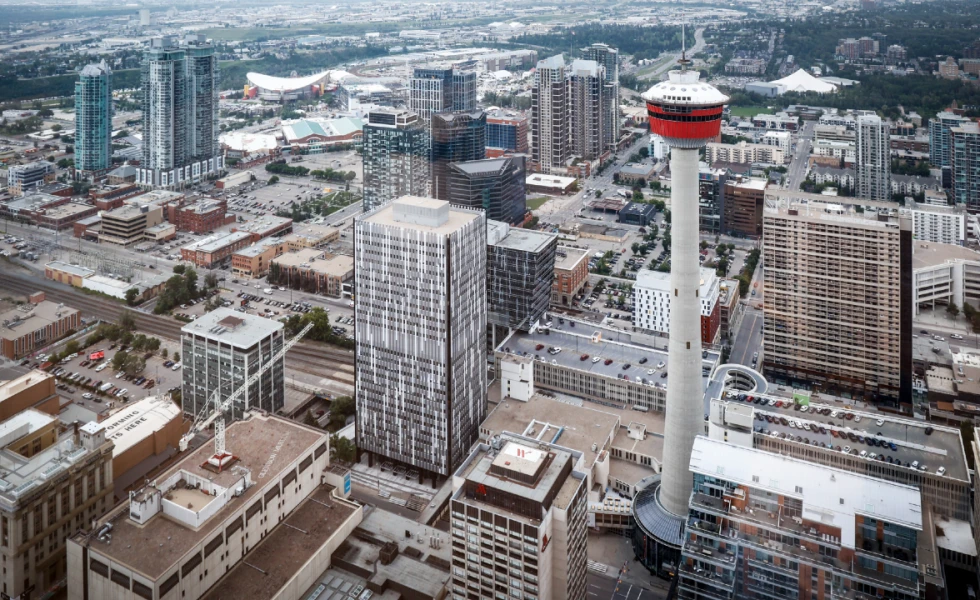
column 305, row 356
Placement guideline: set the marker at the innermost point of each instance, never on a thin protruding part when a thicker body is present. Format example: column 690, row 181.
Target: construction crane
column 205, row 418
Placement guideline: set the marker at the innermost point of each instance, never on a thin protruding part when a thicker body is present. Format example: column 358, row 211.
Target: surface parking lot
column 80, row 377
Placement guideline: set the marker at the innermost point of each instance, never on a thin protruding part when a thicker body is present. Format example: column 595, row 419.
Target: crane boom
column 205, row 419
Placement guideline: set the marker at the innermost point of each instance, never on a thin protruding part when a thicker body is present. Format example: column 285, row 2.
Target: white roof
column 138, row 420
column 801, row 81
column 248, row 142
column 284, row 84
column 684, row 88
column 829, row 495
column 955, row 535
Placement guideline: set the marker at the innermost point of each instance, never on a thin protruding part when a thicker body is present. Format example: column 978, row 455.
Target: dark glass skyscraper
column 496, row 185
column 395, row 154
column 456, row 137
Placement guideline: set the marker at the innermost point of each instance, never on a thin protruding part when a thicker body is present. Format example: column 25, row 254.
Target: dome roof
column 684, row 89
column 284, row 84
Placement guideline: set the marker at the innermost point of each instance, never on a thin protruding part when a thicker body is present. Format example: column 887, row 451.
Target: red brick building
column 571, row 273
column 109, row 197
column 199, row 215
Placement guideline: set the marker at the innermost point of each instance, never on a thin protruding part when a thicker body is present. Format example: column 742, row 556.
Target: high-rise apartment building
column 179, row 84
column 838, row 295
column 439, row 89
column 222, row 350
column 495, row 185
column 873, row 159
column 93, row 119
column 966, row 165
column 940, row 139
column 519, row 516
column 520, row 271
column 763, row 525
column 588, row 109
column 608, row 58
column 395, row 155
column 421, row 314
column 455, row 137
column 742, row 208
column 506, row 133
column 550, row 142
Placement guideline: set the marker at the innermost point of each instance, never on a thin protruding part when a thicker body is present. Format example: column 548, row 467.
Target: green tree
column 176, row 357
column 598, row 193
column 164, row 352
column 131, row 295
column 139, row 342
column 273, row 180
column 153, row 344
column 343, row 449
column 119, row 360
column 704, row 245
column 210, row 281
column 127, row 320
column 952, row 309
column 134, row 365
column 340, row 409
column 71, row 347
column 179, row 269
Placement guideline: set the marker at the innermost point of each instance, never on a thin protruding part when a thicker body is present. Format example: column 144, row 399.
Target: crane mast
column 217, row 415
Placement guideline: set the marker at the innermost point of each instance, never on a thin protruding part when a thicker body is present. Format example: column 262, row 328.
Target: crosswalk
column 597, row 567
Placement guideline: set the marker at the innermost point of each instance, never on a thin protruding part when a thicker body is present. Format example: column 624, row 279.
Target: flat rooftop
column 335, row 265
column 12, row 387
column 284, row 551
column 242, row 330
column 312, row 232
column 942, row 448
column 574, row 345
column 136, row 421
column 77, row 270
column 263, row 224
column 386, row 216
column 21, row 424
column 67, row 210
column 21, row 475
column 26, row 318
column 545, row 419
column 127, row 212
column 829, row 496
column 264, row 444
column 567, row 257
column 260, row 247
column 804, row 206
column 217, row 242
column 525, row 240
column 929, row 254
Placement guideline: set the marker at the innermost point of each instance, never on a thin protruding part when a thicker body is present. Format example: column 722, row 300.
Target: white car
column 857, row 419
column 650, row 371
column 595, row 359
column 87, row 396
column 660, row 365
column 880, row 422
column 956, row 336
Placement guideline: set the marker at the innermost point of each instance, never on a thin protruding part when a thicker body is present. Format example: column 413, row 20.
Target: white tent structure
column 801, row 81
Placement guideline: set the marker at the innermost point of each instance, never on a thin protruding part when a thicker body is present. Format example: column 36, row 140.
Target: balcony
column 724, row 581
column 721, row 558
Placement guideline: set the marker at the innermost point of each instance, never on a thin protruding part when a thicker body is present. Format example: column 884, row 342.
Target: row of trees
column 329, row 174
column 281, row 168
column 322, row 330
column 181, row 288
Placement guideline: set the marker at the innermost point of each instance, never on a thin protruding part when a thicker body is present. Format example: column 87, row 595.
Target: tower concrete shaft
column 685, row 392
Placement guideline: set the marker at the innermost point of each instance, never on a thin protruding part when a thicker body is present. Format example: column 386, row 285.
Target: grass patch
column 535, row 203
column 751, row 111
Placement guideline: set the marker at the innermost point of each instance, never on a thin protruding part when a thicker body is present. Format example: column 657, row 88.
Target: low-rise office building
column 313, row 271
column 64, row 216
column 944, row 274
column 311, row 235
column 200, row 215
column 571, row 274
column 744, row 152
column 731, row 310
column 108, row 197
column 638, row 213
column 940, row 224
column 21, row 177
column 215, row 250
column 266, row 226
column 34, row 389
column 127, row 224
column 64, row 483
column 254, row 261
column 529, row 499
column 204, row 523
column 32, row 326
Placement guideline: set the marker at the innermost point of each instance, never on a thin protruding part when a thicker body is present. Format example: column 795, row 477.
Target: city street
column 798, row 168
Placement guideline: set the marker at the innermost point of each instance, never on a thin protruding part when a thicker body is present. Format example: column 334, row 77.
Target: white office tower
column 686, row 113
column 421, row 318
column 873, row 159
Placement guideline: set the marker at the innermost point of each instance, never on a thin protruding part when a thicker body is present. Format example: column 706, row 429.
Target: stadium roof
column 801, row 81
column 285, row 84
column 301, row 128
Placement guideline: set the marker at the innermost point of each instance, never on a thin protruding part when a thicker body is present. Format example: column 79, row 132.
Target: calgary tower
column 686, row 113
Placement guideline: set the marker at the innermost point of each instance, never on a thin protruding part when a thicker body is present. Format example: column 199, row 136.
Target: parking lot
column 95, row 385
column 873, row 436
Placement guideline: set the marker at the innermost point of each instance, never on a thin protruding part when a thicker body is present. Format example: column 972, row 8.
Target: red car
column 584, row 357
